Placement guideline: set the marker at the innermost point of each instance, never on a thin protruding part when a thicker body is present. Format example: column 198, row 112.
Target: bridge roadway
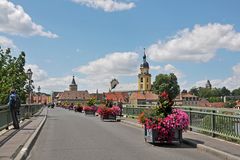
column 67, row 135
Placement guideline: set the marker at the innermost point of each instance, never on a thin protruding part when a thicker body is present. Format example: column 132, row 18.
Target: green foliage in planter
column 91, row 102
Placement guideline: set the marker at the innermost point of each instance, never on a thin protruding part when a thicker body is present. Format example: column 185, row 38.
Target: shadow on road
column 172, row 145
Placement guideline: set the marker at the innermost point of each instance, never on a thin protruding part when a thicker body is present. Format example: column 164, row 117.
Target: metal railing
column 25, row 111
column 211, row 121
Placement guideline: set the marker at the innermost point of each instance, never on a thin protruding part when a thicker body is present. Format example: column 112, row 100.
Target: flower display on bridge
column 90, row 108
column 164, row 119
column 105, row 111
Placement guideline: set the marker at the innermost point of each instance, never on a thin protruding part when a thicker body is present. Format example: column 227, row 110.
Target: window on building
column 147, row 79
column 141, row 86
column 141, row 79
column 147, row 86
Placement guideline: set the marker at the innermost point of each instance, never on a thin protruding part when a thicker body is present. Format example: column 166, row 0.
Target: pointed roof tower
column 73, row 85
column 73, row 81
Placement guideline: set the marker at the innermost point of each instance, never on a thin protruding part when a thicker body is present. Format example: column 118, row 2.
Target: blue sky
column 97, row 40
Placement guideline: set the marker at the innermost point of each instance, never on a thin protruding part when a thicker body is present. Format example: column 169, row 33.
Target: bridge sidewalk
column 220, row 148
column 15, row 144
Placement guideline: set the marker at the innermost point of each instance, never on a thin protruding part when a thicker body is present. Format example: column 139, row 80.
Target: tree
column 184, row 91
column 12, row 75
column 236, row 92
column 194, row 91
column 225, row 92
column 167, row 83
column 205, row 92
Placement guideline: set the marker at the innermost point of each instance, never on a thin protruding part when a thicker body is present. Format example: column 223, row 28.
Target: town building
column 117, row 97
column 144, row 77
column 143, row 99
column 99, row 97
column 186, row 99
column 73, row 95
column 41, row 98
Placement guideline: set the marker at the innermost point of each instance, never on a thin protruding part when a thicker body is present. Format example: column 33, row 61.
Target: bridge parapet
column 25, row 111
column 221, row 122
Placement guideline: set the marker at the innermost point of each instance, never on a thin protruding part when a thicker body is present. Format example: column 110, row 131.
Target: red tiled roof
column 216, row 104
column 187, row 95
column 117, row 96
column 237, row 103
column 144, row 96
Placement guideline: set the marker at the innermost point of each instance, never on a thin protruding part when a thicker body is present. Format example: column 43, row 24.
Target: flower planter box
column 109, row 117
column 90, row 113
column 152, row 136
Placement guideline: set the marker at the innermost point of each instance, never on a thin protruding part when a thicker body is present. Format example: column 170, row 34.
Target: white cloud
column 38, row 74
column 236, row 69
column 231, row 82
column 6, row 43
column 126, row 87
column 115, row 64
column 107, row 5
column 199, row 44
column 14, row 20
column 168, row 69
column 100, row 72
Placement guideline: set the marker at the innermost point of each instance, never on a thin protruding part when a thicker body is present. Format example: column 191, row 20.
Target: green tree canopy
column 12, row 75
column 168, row 83
column 207, row 92
column 236, row 92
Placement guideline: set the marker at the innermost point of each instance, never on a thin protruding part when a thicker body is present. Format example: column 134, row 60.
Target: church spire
column 73, row 85
column 73, row 81
column 145, row 63
column 144, row 56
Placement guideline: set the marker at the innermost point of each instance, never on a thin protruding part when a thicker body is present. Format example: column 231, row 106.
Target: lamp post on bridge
column 29, row 89
column 39, row 88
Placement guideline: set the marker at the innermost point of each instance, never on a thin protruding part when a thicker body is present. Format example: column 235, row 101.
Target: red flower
column 164, row 95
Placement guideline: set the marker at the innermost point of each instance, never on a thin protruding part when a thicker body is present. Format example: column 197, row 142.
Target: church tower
column 73, row 85
column 144, row 78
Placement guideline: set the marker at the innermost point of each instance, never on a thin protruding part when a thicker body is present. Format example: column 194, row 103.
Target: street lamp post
column 29, row 89
column 39, row 88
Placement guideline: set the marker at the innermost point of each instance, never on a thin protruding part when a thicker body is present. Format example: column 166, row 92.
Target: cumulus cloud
column 168, row 69
column 115, row 64
column 100, row 72
column 199, row 44
column 6, row 43
column 38, row 73
column 14, row 20
column 107, row 5
column 231, row 82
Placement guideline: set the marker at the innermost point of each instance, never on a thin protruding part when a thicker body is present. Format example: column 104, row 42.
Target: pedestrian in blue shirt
column 13, row 108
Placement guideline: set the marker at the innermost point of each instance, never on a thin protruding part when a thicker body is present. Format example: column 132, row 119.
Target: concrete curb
column 24, row 152
column 201, row 147
column 217, row 153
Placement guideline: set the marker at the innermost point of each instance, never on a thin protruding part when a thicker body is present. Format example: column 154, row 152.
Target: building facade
column 143, row 99
column 41, row 98
column 72, row 95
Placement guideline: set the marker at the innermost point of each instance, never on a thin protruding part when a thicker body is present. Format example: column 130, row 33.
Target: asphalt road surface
column 68, row 135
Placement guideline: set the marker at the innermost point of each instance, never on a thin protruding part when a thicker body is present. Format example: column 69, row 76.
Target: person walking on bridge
column 13, row 102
